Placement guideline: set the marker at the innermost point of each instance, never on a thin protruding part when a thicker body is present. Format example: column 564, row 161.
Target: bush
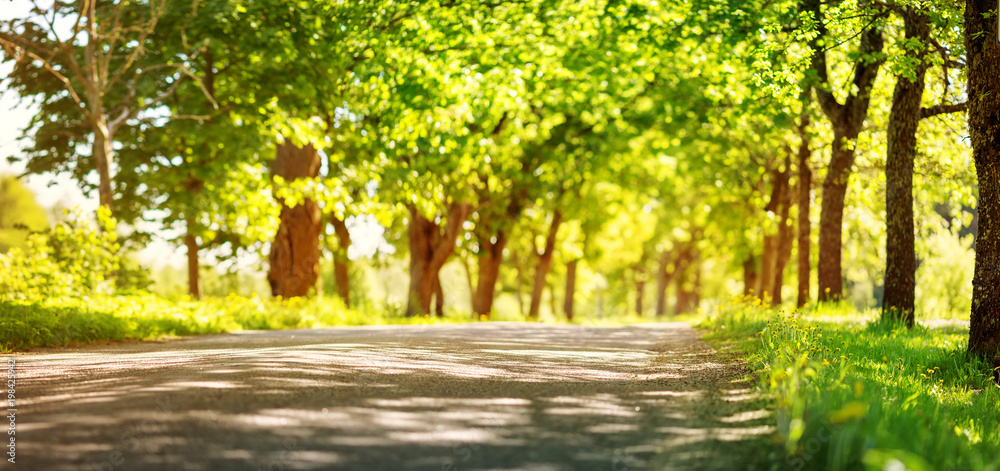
column 77, row 257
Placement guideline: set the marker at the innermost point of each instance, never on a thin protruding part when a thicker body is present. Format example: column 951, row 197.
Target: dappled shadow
column 461, row 397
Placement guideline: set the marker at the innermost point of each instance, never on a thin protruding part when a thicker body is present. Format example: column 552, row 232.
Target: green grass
column 866, row 395
column 101, row 318
column 74, row 321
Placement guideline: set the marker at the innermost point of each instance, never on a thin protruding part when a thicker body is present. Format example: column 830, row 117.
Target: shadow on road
column 461, row 397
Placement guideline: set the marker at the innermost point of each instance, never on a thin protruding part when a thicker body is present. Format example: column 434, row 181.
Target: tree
column 846, row 119
column 90, row 83
column 904, row 118
column 982, row 57
column 295, row 256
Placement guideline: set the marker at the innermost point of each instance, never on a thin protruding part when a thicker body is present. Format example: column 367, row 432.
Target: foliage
column 20, row 215
column 856, row 395
column 77, row 257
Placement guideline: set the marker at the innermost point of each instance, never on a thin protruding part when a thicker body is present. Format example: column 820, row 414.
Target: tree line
column 650, row 141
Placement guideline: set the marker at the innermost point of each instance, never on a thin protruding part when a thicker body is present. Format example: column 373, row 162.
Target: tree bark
column 341, row 264
column 682, row 280
column 103, row 154
column 846, row 120
column 640, row 288
column 570, row 289
column 438, row 296
column 784, row 240
column 904, row 119
column 519, row 282
column 194, row 187
column 664, row 275
column 751, row 276
column 430, row 247
column 194, row 281
column 982, row 57
column 489, row 261
column 544, row 264
column 763, row 287
column 295, row 252
column 804, row 188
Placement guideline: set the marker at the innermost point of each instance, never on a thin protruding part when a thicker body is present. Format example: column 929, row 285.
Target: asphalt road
column 483, row 396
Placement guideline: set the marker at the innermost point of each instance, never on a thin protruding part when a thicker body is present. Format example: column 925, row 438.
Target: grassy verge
column 73, row 321
column 99, row 318
column 867, row 395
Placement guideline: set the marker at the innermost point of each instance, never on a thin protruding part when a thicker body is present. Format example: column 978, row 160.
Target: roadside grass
column 866, row 395
column 101, row 318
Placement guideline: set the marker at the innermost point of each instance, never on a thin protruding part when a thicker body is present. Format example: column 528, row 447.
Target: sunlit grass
column 869, row 395
column 102, row 318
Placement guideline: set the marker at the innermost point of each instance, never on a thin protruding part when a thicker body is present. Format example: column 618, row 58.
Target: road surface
column 482, row 396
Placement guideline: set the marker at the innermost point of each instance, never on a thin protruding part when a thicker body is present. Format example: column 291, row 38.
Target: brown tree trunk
column 430, row 247
column 341, row 264
column 846, row 120
column 831, row 219
column 295, row 254
column 519, row 282
column 751, row 276
column 804, row 225
column 570, row 289
column 640, row 288
column 983, row 57
column 769, row 260
column 664, row 274
column 103, row 154
column 490, row 258
column 904, row 118
column 194, row 281
column 763, row 287
column 784, row 240
column 544, row 264
column 438, row 295
column 682, row 280
column 553, row 305
column 696, row 286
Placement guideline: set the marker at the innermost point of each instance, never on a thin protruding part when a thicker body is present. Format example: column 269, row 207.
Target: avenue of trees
column 780, row 143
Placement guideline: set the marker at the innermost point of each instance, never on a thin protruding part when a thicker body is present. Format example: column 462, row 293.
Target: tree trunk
column 664, row 275
column 519, row 282
column 804, row 225
column 103, row 154
column 553, row 305
column 763, row 287
column 570, row 289
column 430, row 247
column 194, row 280
column 751, row 276
column 544, row 264
column 682, row 281
column 489, row 260
column 640, row 288
column 341, row 264
column 438, row 295
column 784, row 240
column 904, row 118
column 295, row 254
column 846, row 120
column 831, row 218
column 982, row 57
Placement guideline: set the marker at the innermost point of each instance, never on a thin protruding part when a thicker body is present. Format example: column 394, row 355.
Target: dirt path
column 460, row 397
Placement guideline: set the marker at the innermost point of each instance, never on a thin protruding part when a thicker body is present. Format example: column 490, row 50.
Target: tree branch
column 942, row 109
